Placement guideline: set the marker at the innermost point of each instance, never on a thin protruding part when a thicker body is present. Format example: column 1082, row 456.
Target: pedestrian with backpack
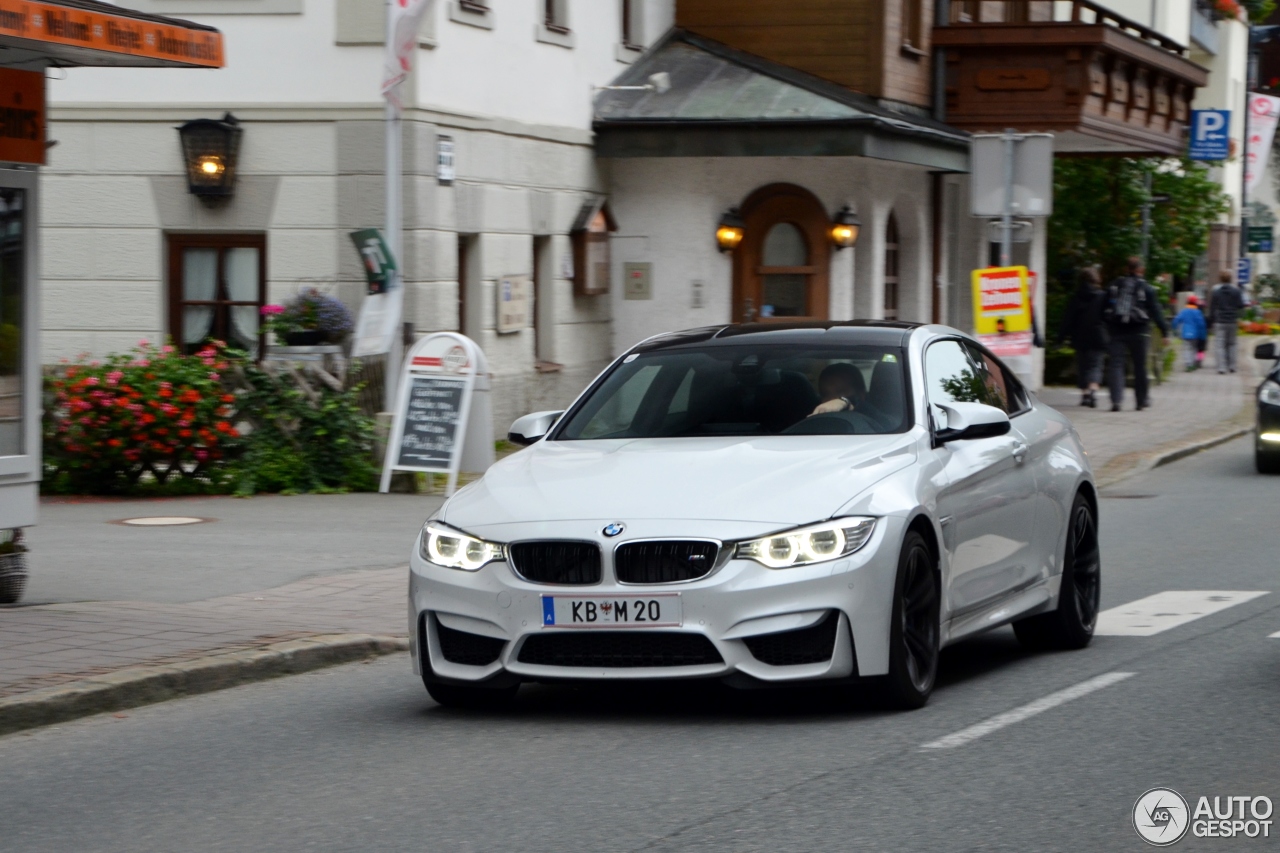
column 1191, row 327
column 1082, row 323
column 1225, row 304
column 1131, row 307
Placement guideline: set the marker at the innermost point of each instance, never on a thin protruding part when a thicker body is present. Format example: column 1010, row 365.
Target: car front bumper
column 740, row 601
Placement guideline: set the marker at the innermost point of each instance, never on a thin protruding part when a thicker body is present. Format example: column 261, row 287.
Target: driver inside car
column 841, row 387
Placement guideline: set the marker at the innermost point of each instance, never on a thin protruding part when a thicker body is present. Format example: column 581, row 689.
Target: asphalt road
column 357, row 758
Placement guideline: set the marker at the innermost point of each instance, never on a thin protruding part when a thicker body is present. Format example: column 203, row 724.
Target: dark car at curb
column 1267, row 439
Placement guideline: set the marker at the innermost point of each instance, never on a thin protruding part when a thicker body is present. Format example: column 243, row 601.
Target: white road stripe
column 1166, row 610
column 1275, row 636
column 1017, row 715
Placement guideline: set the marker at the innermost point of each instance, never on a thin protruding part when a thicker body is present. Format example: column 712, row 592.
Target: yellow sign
column 1001, row 300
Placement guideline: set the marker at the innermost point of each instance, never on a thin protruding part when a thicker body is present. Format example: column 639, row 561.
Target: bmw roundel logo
column 614, row 529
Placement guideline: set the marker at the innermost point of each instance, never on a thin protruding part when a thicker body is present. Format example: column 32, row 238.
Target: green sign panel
column 379, row 263
column 1261, row 238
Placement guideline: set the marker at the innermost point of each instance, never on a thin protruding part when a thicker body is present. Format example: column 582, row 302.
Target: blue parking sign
column 1244, row 270
column 1210, row 135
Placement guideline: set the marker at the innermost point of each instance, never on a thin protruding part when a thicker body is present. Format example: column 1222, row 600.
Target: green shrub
column 155, row 421
column 151, row 417
column 304, row 439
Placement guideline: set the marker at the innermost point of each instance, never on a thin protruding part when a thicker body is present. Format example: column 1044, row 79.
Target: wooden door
column 782, row 266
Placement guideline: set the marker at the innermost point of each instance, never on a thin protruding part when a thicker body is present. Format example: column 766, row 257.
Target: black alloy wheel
column 914, row 631
column 1071, row 625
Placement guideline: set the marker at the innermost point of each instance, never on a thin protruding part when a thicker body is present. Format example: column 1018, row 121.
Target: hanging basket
column 13, row 577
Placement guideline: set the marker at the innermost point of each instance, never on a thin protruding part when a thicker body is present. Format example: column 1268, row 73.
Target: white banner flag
column 406, row 21
column 1264, row 110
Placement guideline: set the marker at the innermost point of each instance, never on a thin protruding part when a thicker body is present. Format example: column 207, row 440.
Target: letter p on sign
column 1209, row 124
column 1209, row 134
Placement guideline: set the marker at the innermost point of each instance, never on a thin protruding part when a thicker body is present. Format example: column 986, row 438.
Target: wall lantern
column 729, row 231
column 845, row 226
column 210, row 147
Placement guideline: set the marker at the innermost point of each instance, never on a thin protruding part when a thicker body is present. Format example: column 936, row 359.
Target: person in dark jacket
column 1082, row 324
column 1225, row 304
column 1130, row 308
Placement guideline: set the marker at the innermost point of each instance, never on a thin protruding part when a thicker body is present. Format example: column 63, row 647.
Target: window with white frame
column 553, row 23
column 633, row 24
column 475, row 13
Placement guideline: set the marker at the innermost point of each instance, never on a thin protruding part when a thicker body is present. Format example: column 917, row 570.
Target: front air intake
column 558, row 562
column 619, row 649
column 664, row 562
column 814, row 644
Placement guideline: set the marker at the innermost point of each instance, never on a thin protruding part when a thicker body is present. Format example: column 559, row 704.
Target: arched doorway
column 780, row 270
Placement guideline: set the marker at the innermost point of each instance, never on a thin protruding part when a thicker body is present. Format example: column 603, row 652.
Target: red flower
column 114, row 442
column 223, row 426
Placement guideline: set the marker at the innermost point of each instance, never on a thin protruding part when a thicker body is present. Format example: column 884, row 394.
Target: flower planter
column 13, row 577
column 307, row 338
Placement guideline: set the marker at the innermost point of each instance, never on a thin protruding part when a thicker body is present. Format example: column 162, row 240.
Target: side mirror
column 1267, row 350
column 966, row 421
column 531, row 428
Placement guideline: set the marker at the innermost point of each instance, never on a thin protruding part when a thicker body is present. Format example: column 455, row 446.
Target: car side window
column 993, row 378
column 954, row 375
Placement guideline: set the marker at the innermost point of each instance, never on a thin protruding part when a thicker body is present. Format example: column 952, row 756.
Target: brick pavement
column 1186, row 406
column 53, row 644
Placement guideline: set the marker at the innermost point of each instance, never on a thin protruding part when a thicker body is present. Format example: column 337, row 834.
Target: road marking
column 1017, row 715
column 1165, row 610
column 1275, row 636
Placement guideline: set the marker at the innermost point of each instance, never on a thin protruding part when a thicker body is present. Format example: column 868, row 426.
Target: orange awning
column 84, row 32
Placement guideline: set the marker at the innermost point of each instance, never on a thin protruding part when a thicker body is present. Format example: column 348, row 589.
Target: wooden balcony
column 1103, row 84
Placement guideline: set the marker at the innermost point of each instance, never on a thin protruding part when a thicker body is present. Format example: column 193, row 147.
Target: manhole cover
column 162, row 520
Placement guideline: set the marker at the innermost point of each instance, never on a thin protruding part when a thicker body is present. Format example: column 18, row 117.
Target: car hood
column 770, row 479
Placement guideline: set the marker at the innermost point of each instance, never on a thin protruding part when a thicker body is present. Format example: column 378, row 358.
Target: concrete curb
column 1196, row 447
column 1122, row 468
column 144, row 685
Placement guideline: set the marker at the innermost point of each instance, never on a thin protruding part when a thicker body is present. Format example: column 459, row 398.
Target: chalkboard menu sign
column 443, row 418
column 432, row 411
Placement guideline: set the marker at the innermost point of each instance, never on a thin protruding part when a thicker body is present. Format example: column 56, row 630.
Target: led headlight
column 456, row 550
column 1269, row 393
column 816, row 543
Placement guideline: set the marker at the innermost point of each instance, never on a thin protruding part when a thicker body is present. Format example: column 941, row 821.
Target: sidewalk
column 265, row 586
column 1189, row 411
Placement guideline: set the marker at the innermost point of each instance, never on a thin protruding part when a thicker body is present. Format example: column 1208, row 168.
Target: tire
column 914, row 629
column 471, row 698
column 1266, row 462
column 1071, row 624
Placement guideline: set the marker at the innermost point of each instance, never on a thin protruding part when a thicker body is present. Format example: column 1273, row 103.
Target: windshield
column 747, row 390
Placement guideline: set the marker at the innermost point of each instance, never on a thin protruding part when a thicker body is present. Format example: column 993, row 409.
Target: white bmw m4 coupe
column 764, row 504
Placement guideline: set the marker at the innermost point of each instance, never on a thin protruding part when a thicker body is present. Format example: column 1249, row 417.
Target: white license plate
column 661, row 610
